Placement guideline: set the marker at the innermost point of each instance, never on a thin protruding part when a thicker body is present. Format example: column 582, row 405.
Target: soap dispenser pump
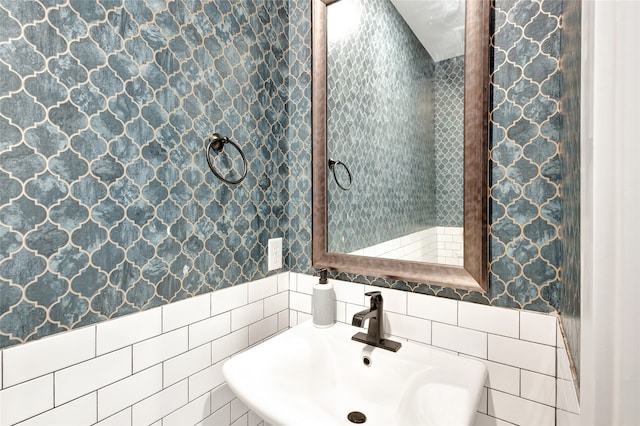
column 323, row 307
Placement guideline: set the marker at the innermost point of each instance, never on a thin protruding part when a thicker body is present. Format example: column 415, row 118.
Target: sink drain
column 356, row 417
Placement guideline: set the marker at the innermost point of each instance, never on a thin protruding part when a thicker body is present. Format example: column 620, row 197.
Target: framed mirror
column 374, row 140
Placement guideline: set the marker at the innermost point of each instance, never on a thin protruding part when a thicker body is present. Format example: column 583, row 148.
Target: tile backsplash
column 519, row 348
column 165, row 363
column 161, row 364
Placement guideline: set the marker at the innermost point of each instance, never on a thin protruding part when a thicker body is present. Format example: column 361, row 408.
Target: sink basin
column 317, row 376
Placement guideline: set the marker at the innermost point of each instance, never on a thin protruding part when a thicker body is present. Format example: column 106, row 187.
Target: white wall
column 610, row 182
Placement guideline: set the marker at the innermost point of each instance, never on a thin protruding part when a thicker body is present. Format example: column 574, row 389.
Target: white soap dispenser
column 323, row 308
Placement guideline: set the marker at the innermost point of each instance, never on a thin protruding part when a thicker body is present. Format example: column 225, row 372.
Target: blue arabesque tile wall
column 99, row 152
column 107, row 205
column 298, row 209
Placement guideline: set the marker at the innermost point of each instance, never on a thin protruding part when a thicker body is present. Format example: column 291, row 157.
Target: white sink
column 315, row 376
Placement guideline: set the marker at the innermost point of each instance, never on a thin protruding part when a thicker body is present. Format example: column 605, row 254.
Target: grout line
column 189, row 381
column 488, row 347
column 520, row 382
column 188, row 327
column 162, row 367
column 96, row 391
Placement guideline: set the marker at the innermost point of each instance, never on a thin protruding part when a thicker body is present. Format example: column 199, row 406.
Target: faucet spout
column 362, row 316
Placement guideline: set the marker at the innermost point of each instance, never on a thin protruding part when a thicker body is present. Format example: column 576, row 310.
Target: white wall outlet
column 274, row 254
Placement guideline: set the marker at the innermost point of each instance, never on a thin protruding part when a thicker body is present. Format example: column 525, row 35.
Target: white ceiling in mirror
column 438, row 24
column 343, row 20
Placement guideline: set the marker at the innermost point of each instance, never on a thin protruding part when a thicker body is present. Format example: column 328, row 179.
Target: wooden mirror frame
column 471, row 276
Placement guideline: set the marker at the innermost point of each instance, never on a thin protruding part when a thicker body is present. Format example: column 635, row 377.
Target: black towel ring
column 332, row 166
column 217, row 143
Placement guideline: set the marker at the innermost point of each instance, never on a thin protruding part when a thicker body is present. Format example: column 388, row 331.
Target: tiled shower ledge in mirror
column 438, row 244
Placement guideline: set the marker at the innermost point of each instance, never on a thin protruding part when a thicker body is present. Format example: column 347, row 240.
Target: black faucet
column 375, row 315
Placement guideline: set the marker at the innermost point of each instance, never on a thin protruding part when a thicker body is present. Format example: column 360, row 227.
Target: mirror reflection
column 395, row 121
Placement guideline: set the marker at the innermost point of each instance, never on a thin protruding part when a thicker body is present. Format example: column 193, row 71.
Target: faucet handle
column 376, row 299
